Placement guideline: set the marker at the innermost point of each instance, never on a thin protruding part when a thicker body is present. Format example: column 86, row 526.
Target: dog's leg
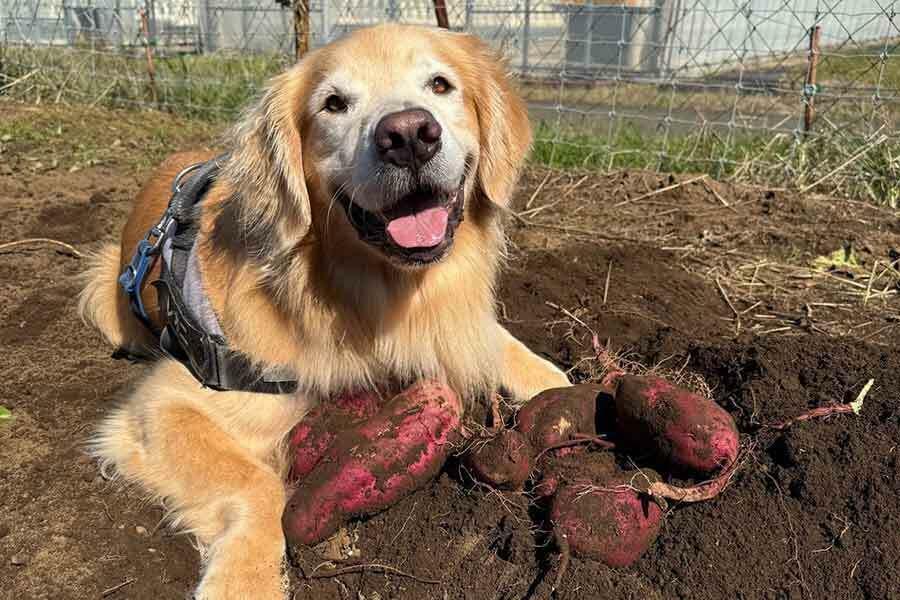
column 181, row 443
column 524, row 373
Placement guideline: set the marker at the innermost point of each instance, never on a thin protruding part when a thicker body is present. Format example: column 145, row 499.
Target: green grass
column 868, row 66
column 210, row 87
column 841, row 164
column 629, row 148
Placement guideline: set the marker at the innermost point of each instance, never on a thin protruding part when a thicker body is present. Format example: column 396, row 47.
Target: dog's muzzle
column 416, row 230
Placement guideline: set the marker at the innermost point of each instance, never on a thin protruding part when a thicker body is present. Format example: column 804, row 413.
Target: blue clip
column 132, row 279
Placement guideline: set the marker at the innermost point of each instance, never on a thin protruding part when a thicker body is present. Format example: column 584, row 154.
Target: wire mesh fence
column 801, row 93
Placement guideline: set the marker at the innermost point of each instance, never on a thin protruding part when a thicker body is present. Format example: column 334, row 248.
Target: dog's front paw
column 240, row 570
column 539, row 375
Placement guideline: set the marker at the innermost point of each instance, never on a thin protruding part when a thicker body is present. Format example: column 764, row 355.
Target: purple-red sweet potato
column 606, row 520
column 504, row 461
column 686, row 430
column 560, row 414
column 310, row 439
column 372, row 466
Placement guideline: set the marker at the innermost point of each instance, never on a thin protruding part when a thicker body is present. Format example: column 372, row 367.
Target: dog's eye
column 440, row 85
column 335, row 104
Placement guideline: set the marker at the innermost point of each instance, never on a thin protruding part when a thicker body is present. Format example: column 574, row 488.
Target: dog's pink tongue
column 421, row 230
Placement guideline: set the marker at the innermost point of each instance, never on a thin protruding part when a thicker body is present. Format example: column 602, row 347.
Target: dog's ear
column 265, row 168
column 504, row 128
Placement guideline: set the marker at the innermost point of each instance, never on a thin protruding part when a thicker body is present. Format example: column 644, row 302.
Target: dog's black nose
column 408, row 138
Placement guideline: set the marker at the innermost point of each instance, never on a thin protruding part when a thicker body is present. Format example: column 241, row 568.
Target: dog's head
column 392, row 134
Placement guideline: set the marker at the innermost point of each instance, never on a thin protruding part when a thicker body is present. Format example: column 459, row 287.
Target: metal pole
column 526, row 36
column 809, row 90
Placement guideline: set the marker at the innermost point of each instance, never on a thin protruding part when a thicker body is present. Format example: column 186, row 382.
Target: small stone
column 141, row 530
column 4, row 530
column 18, row 560
column 151, row 550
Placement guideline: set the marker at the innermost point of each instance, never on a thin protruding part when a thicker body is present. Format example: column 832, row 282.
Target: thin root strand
column 370, row 568
column 815, row 413
column 564, row 556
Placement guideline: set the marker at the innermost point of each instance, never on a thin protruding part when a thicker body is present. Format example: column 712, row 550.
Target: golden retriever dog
column 419, row 131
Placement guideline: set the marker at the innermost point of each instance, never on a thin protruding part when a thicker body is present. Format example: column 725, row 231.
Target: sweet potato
column 311, row 438
column 606, row 520
column 372, row 466
column 558, row 415
column 504, row 461
column 687, row 431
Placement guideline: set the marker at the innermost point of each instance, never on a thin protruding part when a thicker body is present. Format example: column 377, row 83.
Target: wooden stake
column 809, row 90
column 151, row 70
column 301, row 28
column 440, row 11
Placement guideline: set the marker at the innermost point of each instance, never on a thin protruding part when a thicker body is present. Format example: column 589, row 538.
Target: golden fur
column 292, row 285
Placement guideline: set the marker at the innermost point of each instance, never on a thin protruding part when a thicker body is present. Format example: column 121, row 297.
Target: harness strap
column 205, row 354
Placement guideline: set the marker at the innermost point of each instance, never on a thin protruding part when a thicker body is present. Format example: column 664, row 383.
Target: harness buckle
column 132, row 278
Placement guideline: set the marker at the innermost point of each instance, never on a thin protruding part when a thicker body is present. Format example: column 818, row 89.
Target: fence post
column 470, row 8
column 526, row 36
column 151, row 71
column 809, row 89
column 301, row 28
column 440, row 11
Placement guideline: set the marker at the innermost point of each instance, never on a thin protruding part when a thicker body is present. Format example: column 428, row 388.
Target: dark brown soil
column 814, row 512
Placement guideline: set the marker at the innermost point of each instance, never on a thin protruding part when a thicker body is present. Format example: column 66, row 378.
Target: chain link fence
column 800, row 93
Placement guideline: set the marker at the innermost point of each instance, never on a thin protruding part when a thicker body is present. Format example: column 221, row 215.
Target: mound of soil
column 721, row 293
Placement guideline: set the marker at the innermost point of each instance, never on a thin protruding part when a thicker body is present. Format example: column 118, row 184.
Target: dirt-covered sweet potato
column 311, row 438
column 686, row 430
column 606, row 520
column 504, row 461
column 560, row 414
column 372, row 466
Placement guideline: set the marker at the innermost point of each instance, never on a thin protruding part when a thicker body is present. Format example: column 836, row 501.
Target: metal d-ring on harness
column 184, row 337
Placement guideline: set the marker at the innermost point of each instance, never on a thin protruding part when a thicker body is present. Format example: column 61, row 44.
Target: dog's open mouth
column 417, row 229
